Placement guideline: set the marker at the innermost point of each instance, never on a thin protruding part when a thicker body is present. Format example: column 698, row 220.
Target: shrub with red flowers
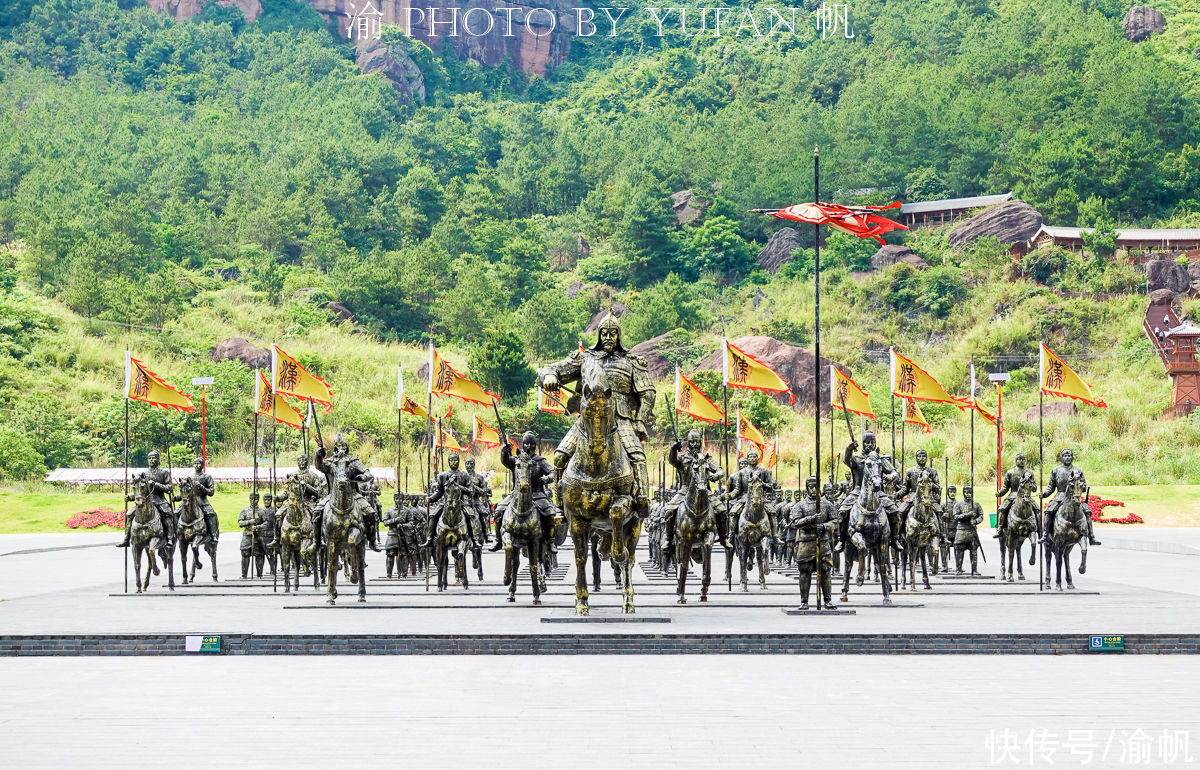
column 1098, row 505
column 98, row 518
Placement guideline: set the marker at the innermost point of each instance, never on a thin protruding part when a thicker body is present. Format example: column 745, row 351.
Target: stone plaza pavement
column 679, row 711
column 72, row 584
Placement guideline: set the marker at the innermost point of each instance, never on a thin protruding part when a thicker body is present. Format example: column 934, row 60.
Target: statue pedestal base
column 616, row 616
column 819, row 612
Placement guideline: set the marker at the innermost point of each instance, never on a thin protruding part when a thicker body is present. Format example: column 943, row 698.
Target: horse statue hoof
column 1082, row 569
column 745, row 588
column 1070, row 586
column 682, row 600
column 928, row 587
column 581, row 610
column 704, row 598
column 537, row 602
column 329, row 602
column 512, row 598
column 887, row 602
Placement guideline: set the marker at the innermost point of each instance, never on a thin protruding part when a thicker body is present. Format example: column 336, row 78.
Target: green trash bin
column 992, row 520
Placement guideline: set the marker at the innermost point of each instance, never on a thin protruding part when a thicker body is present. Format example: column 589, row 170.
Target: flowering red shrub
column 1097, row 505
column 97, row 518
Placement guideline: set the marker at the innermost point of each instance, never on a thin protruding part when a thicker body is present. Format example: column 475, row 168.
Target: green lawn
column 30, row 512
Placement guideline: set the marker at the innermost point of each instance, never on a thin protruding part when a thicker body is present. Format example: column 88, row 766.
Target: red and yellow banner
column 742, row 370
column 290, row 377
column 445, row 381
column 276, row 407
column 747, row 431
column 772, row 454
column 482, row 433
column 445, row 439
column 846, row 394
column 1058, row 379
column 141, row 384
column 692, row 401
column 912, row 414
column 552, row 400
column 912, row 382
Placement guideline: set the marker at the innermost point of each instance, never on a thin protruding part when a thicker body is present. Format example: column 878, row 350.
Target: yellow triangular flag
column 1058, row 379
column 772, row 454
column 742, row 370
column 446, row 440
column 912, row 414
column 410, row 405
column 482, row 433
column 444, row 380
column 552, row 401
column 692, row 401
column 747, row 431
column 911, row 381
column 846, row 394
column 278, row 407
column 289, row 376
column 141, row 384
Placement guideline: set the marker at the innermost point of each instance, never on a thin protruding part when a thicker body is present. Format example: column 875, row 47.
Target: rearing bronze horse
column 597, row 488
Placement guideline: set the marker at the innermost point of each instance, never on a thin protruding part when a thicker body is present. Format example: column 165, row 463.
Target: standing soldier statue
column 258, row 534
column 454, row 476
column 160, row 486
column 481, row 504
column 631, row 390
column 814, row 519
column 949, row 525
column 968, row 514
column 1012, row 482
column 394, row 545
column 1059, row 477
column 831, row 497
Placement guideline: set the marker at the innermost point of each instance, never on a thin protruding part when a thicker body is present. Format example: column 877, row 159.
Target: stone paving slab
column 600, row 712
column 69, row 592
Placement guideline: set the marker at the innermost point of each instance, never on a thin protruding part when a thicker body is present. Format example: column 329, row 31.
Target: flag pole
column 254, row 482
column 1041, row 464
column 903, row 426
column 125, row 503
column 274, row 462
column 972, row 456
column 817, row 334
column 892, row 385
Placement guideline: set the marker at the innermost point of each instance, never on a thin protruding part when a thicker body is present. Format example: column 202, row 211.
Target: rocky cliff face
column 535, row 39
column 186, row 9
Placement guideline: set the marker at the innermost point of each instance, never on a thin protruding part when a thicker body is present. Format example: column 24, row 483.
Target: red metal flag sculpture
column 859, row 221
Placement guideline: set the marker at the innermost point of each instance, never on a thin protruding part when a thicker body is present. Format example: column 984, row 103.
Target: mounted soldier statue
column 857, row 463
column 753, row 514
column 692, row 513
column 600, row 464
column 1070, row 522
column 198, row 526
column 297, row 535
column 1017, row 519
column 343, row 520
column 451, row 523
column 526, row 515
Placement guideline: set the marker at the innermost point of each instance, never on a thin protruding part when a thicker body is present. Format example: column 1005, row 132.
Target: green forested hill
column 215, row 177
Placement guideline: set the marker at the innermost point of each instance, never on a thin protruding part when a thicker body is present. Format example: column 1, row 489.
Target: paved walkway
column 71, row 589
column 603, row 712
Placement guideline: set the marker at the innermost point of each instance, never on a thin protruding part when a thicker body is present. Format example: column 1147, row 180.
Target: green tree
column 717, row 246
column 672, row 304
column 19, row 458
column 498, row 363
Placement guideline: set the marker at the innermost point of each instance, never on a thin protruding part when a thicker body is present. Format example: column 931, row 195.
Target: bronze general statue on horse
column 600, row 464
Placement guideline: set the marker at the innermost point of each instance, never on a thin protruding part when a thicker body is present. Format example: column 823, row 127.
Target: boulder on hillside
column 687, row 207
column 243, row 350
column 393, row 61
column 186, row 9
column 1167, row 274
column 779, row 248
column 1193, row 269
column 339, row 310
column 658, row 366
column 1011, row 222
column 793, row 364
column 893, row 253
column 1162, row 297
column 618, row 309
column 1141, row 22
column 574, row 289
column 1051, row 409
